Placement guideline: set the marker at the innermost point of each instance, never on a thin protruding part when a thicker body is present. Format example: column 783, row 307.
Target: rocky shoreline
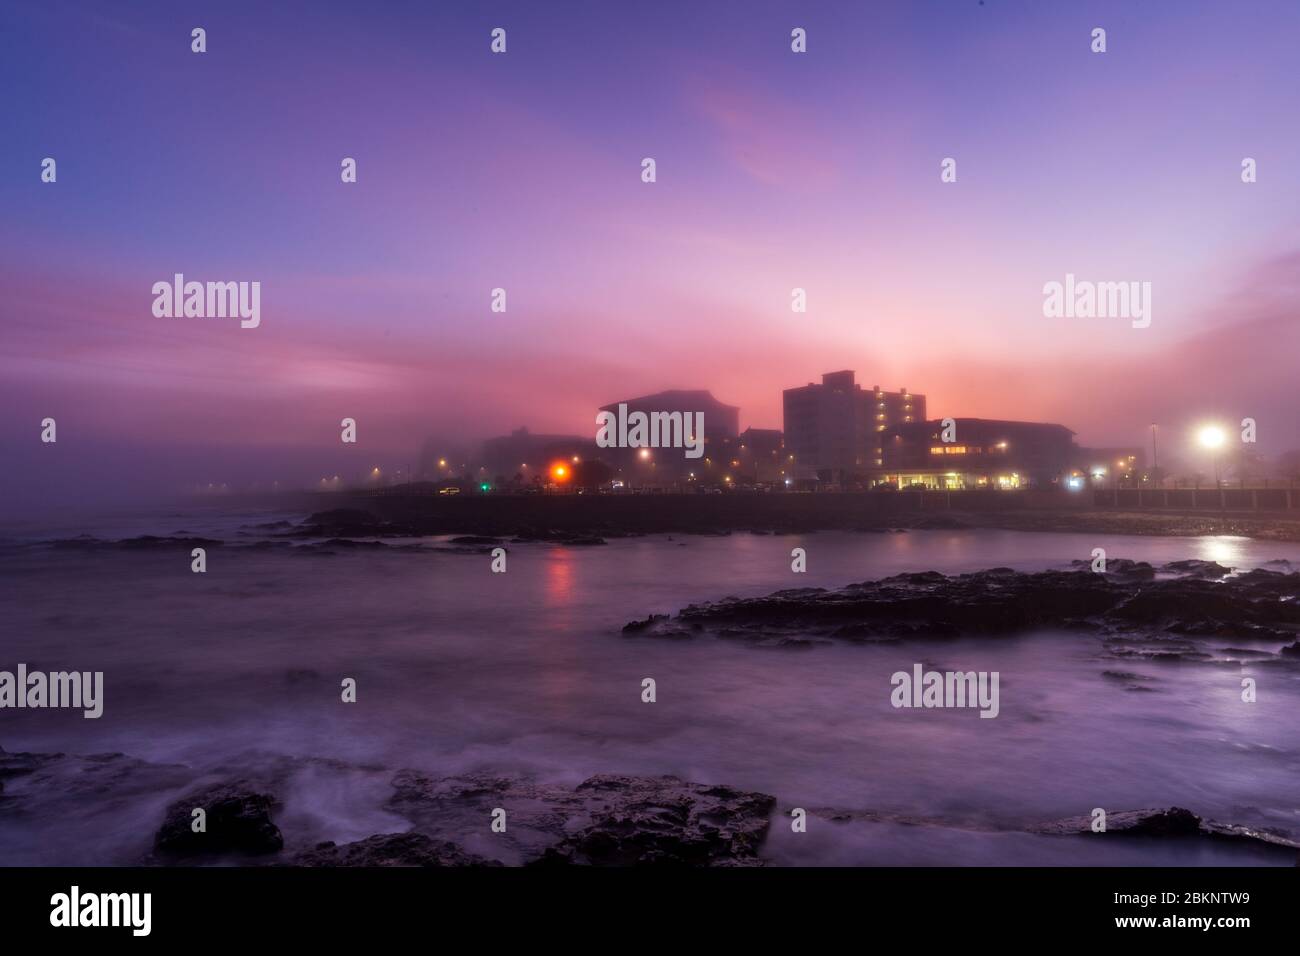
column 1141, row 609
column 607, row 820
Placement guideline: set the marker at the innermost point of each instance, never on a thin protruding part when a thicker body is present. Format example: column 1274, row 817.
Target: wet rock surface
column 1170, row 822
column 606, row 820
column 1187, row 598
column 663, row 821
column 390, row 849
column 609, row 819
column 238, row 822
column 1164, row 823
column 54, row 780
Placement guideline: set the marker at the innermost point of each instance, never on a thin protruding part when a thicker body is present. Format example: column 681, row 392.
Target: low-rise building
column 982, row 453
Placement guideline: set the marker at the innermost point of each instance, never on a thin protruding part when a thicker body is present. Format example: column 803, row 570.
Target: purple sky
column 775, row 170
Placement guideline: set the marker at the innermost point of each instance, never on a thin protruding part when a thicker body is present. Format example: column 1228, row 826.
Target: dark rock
column 633, row 627
column 1121, row 568
column 18, row 764
column 149, row 542
column 664, row 821
column 238, row 821
column 144, row 542
column 346, row 523
column 573, row 538
column 344, row 516
column 1174, row 822
column 57, row 781
column 390, row 849
column 1205, row 569
column 607, row 820
column 1259, row 605
column 347, row 543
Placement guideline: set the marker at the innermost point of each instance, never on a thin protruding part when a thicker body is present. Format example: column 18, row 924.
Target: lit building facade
column 983, row 453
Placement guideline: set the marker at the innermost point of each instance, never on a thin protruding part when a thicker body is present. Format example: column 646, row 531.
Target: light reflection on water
column 1227, row 550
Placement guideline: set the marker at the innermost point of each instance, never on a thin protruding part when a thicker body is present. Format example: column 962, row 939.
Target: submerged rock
column 571, row 538
column 144, row 542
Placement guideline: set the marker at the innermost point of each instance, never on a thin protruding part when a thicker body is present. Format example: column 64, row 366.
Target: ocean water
column 459, row 669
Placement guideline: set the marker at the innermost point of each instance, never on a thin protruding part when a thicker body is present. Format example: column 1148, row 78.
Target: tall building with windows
column 833, row 431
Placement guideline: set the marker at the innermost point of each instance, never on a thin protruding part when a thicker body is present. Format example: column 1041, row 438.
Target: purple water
column 527, row 672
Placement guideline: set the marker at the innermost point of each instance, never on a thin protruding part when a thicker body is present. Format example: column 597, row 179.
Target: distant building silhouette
column 670, row 466
column 834, row 430
column 760, row 457
column 527, row 455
